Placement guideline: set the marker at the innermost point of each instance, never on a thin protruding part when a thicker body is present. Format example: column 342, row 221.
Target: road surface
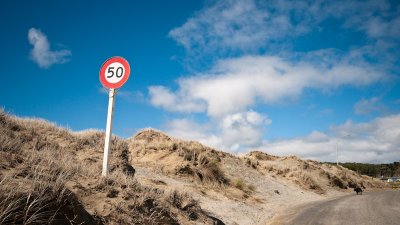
column 371, row 208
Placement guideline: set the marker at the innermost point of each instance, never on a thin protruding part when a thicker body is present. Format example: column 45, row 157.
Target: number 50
column 118, row 72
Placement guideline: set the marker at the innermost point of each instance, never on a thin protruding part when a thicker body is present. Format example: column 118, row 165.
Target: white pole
column 108, row 131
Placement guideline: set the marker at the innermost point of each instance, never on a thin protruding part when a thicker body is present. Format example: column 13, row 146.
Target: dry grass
column 241, row 185
column 395, row 185
column 309, row 174
column 49, row 175
column 33, row 175
column 37, row 200
column 35, row 192
column 176, row 157
column 134, row 204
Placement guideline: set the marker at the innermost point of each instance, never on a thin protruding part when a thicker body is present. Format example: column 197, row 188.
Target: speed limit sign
column 114, row 72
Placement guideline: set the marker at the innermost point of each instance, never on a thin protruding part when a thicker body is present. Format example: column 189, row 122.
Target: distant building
column 390, row 179
column 393, row 179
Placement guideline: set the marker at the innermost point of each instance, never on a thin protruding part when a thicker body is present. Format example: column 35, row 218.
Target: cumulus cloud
column 231, row 25
column 247, row 28
column 161, row 96
column 234, row 85
column 316, row 137
column 243, row 129
column 190, row 130
column 247, row 25
column 369, row 106
column 371, row 142
column 41, row 52
column 378, row 19
column 247, row 48
column 235, row 132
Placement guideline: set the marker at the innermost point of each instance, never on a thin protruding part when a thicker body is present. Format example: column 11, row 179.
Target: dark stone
column 193, row 216
column 128, row 170
column 149, row 203
column 112, row 193
column 216, row 221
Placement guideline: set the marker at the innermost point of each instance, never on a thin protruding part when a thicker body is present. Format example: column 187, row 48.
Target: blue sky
column 286, row 78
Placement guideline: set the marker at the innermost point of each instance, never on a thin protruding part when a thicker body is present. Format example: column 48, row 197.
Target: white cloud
column 377, row 19
column 234, row 132
column 234, row 85
column 317, row 136
column 190, row 130
column 243, row 129
column 368, row 106
column 162, row 97
column 231, row 25
column 248, row 25
column 371, row 142
column 41, row 52
column 374, row 141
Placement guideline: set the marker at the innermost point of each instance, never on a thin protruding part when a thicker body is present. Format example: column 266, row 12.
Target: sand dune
column 49, row 174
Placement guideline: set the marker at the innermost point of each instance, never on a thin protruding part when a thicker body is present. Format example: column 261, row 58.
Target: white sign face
column 115, row 72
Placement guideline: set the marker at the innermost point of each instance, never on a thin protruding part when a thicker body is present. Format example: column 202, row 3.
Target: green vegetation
column 395, row 185
column 241, row 185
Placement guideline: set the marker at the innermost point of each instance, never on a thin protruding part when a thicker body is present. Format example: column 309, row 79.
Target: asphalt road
column 371, row 208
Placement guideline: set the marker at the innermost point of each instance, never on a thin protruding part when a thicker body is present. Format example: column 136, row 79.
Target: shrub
column 241, row 185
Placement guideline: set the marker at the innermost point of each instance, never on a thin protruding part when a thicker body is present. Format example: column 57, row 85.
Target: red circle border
column 114, row 59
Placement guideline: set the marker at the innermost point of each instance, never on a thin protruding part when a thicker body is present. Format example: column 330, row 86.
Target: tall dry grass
column 177, row 157
column 49, row 175
column 309, row 174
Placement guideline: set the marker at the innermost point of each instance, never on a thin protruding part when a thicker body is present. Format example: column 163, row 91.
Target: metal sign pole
column 108, row 131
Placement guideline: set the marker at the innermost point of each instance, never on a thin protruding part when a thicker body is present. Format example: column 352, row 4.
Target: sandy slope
column 277, row 182
column 155, row 179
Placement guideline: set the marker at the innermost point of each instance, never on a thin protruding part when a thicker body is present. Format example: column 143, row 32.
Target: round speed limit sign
column 114, row 72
